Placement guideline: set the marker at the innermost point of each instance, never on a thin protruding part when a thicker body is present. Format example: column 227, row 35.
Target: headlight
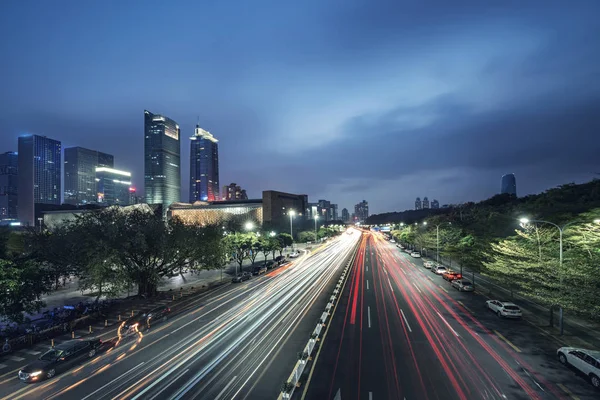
column 35, row 373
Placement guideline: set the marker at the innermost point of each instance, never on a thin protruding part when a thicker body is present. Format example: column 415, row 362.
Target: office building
column 509, row 185
column 113, row 186
column 418, row 204
column 80, row 174
column 425, row 203
column 8, row 186
column 40, row 172
column 204, row 166
column 233, row 192
column 435, row 204
column 162, row 162
column 345, row 215
column 361, row 210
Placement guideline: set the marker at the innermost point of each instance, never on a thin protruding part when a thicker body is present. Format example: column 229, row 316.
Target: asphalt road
column 402, row 332
column 240, row 341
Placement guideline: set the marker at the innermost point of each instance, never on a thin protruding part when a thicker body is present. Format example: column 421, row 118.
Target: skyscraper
column 204, row 166
column 435, row 204
column 509, row 184
column 8, row 185
column 345, row 215
column 113, row 186
column 361, row 210
column 162, row 172
column 425, row 203
column 80, row 174
column 418, row 204
column 40, row 171
column 233, row 192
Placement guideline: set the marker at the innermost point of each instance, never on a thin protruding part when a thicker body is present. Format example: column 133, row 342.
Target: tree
column 240, row 244
column 266, row 245
column 285, row 239
column 306, row 236
column 254, row 247
column 22, row 283
column 275, row 246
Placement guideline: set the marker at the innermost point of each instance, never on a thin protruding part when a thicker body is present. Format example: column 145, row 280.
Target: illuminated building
column 509, row 184
column 233, row 192
column 418, row 204
column 80, row 174
column 113, row 186
column 345, row 215
column 425, row 203
column 9, row 166
column 361, row 210
column 40, row 173
column 162, row 174
column 204, row 166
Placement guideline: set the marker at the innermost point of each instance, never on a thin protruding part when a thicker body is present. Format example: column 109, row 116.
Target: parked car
column 400, row 246
column 392, row 241
column 294, row 254
column 463, row 285
column 259, row 270
column 586, row 361
column 244, row 276
column 415, row 254
column 451, row 275
column 280, row 259
column 272, row 264
column 144, row 320
column 428, row 264
column 60, row 358
column 439, row 269
column 504, row 308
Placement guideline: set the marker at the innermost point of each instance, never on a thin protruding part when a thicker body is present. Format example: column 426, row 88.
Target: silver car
column 462, row 285
column 504, row 309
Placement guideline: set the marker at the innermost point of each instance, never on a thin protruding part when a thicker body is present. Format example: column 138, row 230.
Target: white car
column 415, row 254
column 294, row 254
column 462, row 285
column 428, row 264
column 586, row 361
column 504, row 308
column 392, row 241
column 439, row 270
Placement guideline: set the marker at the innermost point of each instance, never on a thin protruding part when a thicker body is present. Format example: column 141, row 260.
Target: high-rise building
column 435, row 204
column 162, row 162
column 333, row 212
column 80, row 174
column 8, row 186
column 509, row 184
column 362, row 211
column 345, row 215
column 425, row 203
column 233, row 192
column 323, row 208
column 418, row 204
column 40, row 172
column 113, row 186
column 204, row 166
column 133, row 196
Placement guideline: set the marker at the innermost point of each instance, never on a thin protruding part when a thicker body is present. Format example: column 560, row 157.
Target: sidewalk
column 577, row 332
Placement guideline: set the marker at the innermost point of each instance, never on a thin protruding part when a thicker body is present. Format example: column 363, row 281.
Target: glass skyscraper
column 162, row 173
column 509, row 184
column 8, row 186
column 40, row 171
column 113, row 186
column 80, row 174
column 204, row 166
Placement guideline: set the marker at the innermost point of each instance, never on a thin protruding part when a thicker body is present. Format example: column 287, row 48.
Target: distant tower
column 204, row 166
column 425, row 202
column 418, row 204
column 435, row 204
column 509, row 185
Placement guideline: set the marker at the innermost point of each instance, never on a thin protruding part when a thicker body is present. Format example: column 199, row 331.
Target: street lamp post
column 561, row 229
column 292, row 213
column 437, row 239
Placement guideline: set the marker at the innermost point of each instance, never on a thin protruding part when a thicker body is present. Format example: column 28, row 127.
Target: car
column 59, row 359
column 462, row 285
column 259, row 270
column 439, row 269
column 280, row 259
column 428, row 264
column 244, row 276
column 504, row 308
column 400, row 246
column 294, row 254
column 586, row 361
column 143, row 320
column 451, row 275
column 415, row 254
column 392, row 241
column 272, row 264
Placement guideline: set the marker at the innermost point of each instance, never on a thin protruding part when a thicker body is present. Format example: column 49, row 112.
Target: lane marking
column 367, row 268
column 415, row 285
column 447, row 324
column 3, row 366
column 444, row 289
column 370, row 395
column 391, row 288
column 169, row 384
column 32, row 352
column 367, row 284
column 567, row 391
column 113, row 381
column 15, row 358
column 225, row 388
column 465, row 307
column 515, row 348
column 405, row 320
column 369, row 315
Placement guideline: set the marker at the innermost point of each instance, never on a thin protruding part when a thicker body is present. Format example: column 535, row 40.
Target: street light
column 249, row 226
column 437, row 239
column 272, row 234
column 561, row 229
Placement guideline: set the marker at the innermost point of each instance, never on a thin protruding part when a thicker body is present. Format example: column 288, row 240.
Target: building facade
column 509, row 184
column 361, row 211
column 162, row 160
column 80, row 174
column 418, row 204
column 113, row 187
column 9, row 167
column 435, row 204
column 425, row 203
column 345, row 215
column 204, row 166
column 40, row 173
column 233, row 192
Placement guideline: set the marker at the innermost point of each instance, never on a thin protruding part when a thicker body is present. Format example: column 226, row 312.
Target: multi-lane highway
column 402, row 332
column 239, row 341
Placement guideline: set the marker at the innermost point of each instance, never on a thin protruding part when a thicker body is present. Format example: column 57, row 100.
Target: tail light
column 168, row 310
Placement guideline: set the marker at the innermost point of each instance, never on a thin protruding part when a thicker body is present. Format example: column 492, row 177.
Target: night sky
column 343, row 100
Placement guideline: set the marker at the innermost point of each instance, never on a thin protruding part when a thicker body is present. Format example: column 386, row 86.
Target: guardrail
column 288, row 387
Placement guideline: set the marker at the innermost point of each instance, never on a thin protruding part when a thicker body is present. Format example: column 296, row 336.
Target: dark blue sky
column 343, row 99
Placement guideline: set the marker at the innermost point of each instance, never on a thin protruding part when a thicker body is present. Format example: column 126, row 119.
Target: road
column 236, row 342
column 402, row 332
